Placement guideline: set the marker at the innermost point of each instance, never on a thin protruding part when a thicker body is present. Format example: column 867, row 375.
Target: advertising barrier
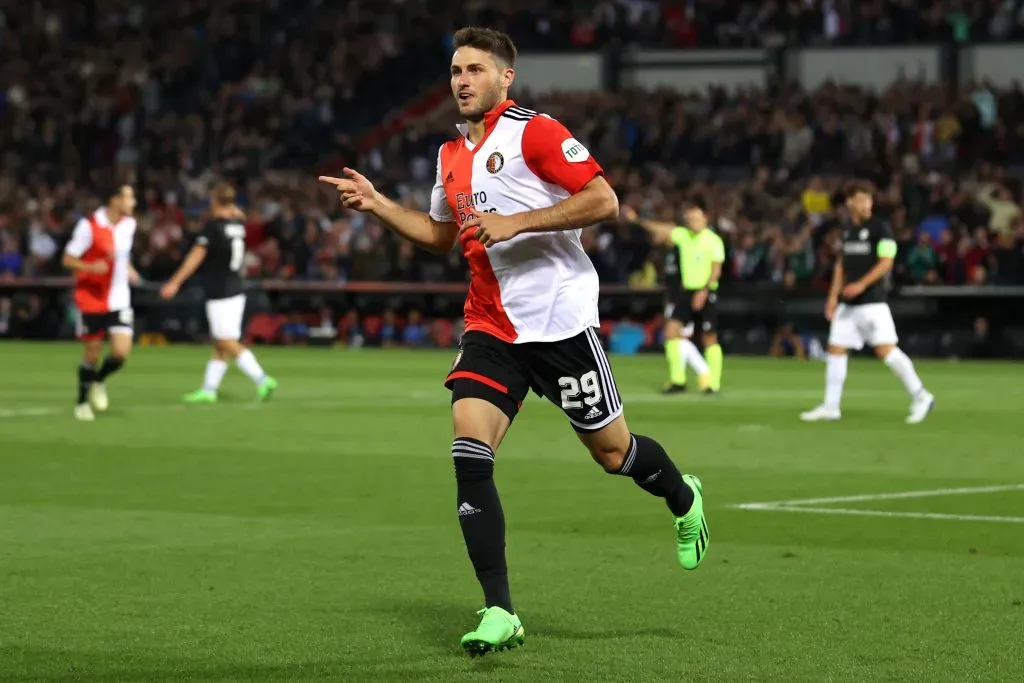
column 933, row 321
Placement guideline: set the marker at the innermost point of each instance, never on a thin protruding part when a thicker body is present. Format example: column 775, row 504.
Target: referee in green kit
column 701, row 254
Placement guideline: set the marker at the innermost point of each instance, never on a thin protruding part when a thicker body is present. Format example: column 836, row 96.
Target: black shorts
column 97, row 325
column 574, row 374
column 681, row 310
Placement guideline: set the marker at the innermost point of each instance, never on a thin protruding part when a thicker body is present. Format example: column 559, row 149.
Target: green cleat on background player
column 201, row 396
column 266, row 388
column 498, row 630
column 692, row 536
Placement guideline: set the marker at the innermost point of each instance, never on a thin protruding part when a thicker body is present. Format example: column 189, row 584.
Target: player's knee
column 709, row 339
column 120, row 346
column 836, row 350
column 228, row 348
column 882, row 352
column 474, row 459
column 92, row 350
column 609, row 445
column 672, row 330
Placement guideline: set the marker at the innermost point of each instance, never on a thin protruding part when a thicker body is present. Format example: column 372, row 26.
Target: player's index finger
column 332, row 180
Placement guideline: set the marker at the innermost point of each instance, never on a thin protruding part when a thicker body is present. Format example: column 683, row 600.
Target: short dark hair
column 692, row 205
column 223, row 194
column 110, row 190
column 489, row 40
column 859, row 187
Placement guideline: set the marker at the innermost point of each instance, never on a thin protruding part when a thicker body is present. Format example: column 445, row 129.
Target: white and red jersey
column 96, row 239
column 536, row 286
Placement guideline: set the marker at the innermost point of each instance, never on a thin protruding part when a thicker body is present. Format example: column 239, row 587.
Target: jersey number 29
column 236, row 233
column 586, row 387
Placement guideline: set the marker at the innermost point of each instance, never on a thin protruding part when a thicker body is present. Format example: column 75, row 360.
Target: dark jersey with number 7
column 225, row 255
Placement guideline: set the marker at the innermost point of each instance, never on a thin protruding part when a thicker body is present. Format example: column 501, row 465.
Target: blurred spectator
column 389, row 330
column 415, row 331
column 5, row 317
column 922, row 261
column 788, row 342
column 294, row 330
column 982, row 344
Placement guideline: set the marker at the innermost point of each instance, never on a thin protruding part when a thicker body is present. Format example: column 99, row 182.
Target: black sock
column 111, row 364
column 86, row 376
column 650, row 467
column 482, row 519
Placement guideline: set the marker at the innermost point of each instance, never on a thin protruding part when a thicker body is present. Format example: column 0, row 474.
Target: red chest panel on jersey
column 92, row 290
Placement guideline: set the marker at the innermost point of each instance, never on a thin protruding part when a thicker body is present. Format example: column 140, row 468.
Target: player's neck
column 859, row 220
column 114, row 215
column 477, row 129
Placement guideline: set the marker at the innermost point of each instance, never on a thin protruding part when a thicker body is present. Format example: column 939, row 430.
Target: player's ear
column 507, row 76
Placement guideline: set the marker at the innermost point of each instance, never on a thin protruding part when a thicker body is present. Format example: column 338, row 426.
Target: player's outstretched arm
column 419, row 228
column 660, row 231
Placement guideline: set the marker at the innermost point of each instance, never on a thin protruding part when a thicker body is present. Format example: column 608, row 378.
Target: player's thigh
column 121, row 331
column 576, row 376
column 845, row 332
column 488, row 385
column 877, row 326
column 225, row 316
column 682, row 313
column 707, row 320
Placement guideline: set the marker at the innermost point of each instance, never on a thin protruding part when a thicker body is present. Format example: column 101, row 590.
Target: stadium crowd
column 171, row 96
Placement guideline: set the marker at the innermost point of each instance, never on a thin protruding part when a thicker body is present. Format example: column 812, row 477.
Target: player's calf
column 120, row 347
column 91, row 351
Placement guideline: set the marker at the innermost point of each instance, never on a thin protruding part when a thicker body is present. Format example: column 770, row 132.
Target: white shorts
column 225, row 317
column 854, row 326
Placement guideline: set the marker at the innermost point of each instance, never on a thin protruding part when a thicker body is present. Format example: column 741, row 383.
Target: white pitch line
column 931, row 493
column 885, row 513
column 28, row 412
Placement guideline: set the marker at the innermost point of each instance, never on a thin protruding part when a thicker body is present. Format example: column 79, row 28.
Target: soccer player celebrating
column 858, row 310
column 515, row 189
column 220, row 250
column 699, row 253
column 99, row 254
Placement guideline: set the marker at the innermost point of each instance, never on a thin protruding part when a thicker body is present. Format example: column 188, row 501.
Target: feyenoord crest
column 495, row 162
column 458, row 357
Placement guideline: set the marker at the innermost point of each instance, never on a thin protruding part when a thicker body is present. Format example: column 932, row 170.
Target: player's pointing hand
column 356, row 191
column 491, row 228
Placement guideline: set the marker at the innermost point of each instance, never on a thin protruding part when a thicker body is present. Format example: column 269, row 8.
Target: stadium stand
column 173, row 95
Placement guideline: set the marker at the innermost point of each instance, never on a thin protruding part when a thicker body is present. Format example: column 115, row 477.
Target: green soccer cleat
column 200, row 396
column 498, row 630
column 692, row 536
column 267, row 387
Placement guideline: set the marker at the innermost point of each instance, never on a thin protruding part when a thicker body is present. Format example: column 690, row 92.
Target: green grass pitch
column 315, row 538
